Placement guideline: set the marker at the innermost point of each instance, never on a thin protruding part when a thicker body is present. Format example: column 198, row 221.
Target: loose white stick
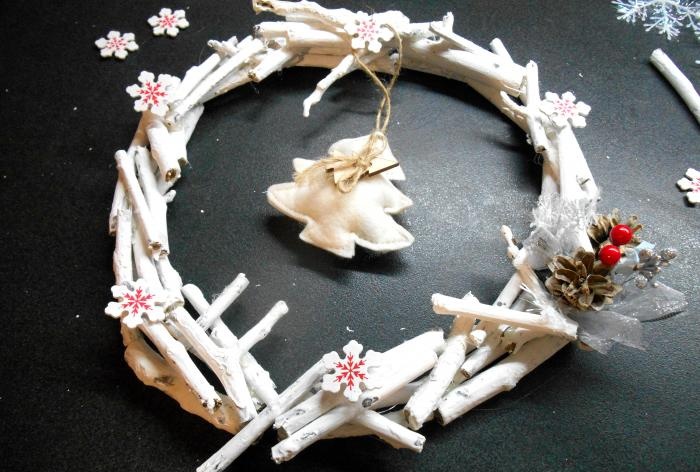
column 125, row 166
column 444, row 305
column 223, row 362
column 253, row 430
column 122, row 258
column 678, row 81
column 423, row 403
column 223, row 301
column 500, row 378
column 260, row 331
column 257, row 378
column 151, row 369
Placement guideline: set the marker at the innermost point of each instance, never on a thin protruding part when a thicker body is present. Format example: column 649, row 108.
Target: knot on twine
column 347, row 170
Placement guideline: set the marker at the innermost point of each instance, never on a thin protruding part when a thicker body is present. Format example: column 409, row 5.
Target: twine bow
column 348, row 169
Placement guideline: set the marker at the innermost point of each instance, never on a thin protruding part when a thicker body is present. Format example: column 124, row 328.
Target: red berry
column 621, row 234
column 609, row 255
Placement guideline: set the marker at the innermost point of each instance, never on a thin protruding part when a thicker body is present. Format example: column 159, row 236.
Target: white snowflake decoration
column 153, row 94
column 564, row 110
column 134, row 301
column 117, row 45
column 666, row 16
column 367, row 31
column 168, row 22
column 691, row 184
column 351, row 371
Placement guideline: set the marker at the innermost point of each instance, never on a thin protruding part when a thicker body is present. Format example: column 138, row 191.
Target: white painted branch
column 273, row 61
column 122, row 257
column 257, row 378
column 352, row 429
column 181, row 132
column 195, row 75
column 156, row 202
column 176, row 354
column 223, row 301
column 454, row 39
column 163, row 148
column 224, row 362
column 169, row 277
column 260, row 331
column 143, row 262
column 500, row 378
column 151, row 369
column 253, row 430
column 310, row 38
column 499, row 48
column 305, row 412
column 305, row 9
column 209, row 83
column 390, row 431
column 346, row 66
column 559, row 326
column 532, row 99
column 678, row 81
column 119, row 202
column 125, row 166
column 268, row 30
column 230, row 82
column 423, row 403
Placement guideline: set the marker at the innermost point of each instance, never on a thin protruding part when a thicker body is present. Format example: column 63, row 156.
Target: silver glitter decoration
column 650, row 264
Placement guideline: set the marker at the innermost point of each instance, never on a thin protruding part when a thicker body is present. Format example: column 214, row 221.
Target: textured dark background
column 69, row 402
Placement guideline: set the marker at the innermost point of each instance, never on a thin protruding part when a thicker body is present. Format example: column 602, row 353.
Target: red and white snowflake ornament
column 134, row 301
column 691, row 184
column 353, row 371
column 366, row 31
column 565, row 109
column 117, row 45
column 153, row 94
column 168, row 22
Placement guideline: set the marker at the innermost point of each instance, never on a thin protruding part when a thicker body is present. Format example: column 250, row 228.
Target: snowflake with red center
column 168, row 22
column 353, row 372
column 117, row 45
column 134, row 300
column 153, row 94
column 691, row 184
column 367, row 31
column 564, row 110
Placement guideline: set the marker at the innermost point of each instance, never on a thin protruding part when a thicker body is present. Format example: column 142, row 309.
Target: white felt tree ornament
column 336, row 221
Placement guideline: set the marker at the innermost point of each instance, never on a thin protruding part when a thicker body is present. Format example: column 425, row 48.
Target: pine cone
column 581, row 282
column 599, row 230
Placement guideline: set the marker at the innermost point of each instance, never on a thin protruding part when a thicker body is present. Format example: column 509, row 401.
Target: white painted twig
column 223, row 301
column 305, row 412
column 125, row 166
column 352, row 429
column 122, row 260
column 444, row 305
column 260, row 331
column 181, row 132
column 273, row 61
column 390, row 431
column 678, row 81
column 157, row 206
column 499, row 48
column 257, row 378
column 426, row 399
column 253, row 430
column 500, row 378
column 195, row 75
column 224, row 362
column 151, row 369
column 163, row 148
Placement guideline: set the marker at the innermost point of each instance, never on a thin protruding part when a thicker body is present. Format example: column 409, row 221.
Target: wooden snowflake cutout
column 336, row 221
column 691, row 184
column 153, row 94
column 168, row 22
column 366, row 31
column 117, row 45
column 134, row 301
column 565, row 110
column 352, row 372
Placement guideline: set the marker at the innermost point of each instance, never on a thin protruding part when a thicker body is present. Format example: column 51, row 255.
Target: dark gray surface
column 69, row 402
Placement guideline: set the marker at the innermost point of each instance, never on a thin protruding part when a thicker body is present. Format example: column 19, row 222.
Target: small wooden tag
column 382, row 163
